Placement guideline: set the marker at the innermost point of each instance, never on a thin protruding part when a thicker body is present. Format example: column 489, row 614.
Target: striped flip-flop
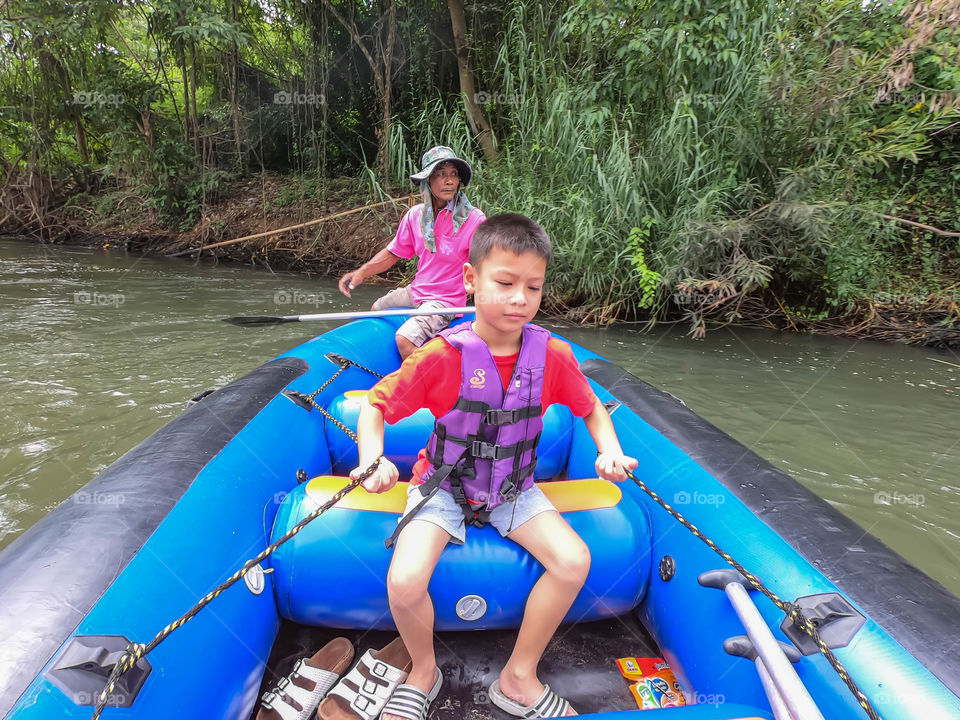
column 548, row 705
column 412, row 703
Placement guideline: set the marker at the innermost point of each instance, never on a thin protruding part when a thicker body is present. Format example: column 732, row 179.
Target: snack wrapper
column 655, row 686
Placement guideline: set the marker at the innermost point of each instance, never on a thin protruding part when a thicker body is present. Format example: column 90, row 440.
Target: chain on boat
column 134, row 651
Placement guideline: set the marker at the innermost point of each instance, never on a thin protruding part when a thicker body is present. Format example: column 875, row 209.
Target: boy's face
column 507, row 288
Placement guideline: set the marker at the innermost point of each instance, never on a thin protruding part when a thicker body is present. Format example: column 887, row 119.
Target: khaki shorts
column 417, row 329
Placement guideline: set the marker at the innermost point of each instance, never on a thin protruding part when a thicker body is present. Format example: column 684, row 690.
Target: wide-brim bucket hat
column 441, row 154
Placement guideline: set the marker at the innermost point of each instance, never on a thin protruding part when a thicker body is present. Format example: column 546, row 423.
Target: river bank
column 291, row 224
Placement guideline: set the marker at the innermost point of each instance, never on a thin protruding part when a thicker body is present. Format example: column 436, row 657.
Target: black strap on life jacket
column 474, row 448
column 427, row 490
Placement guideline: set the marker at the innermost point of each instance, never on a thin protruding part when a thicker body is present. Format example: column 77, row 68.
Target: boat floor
column 579, row 663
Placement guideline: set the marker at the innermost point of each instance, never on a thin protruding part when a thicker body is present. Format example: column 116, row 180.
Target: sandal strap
column 321, row 677
column 288, row 690
column 369, row 685
column 365, row 706
column 278, row 703
column 408, row 702
column 549, row 705
column 379, row 669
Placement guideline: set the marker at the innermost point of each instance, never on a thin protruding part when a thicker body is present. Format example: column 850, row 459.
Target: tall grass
column 719, row 157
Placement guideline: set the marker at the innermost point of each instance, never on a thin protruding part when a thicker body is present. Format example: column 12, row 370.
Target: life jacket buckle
column 498, row 417
column 483, row 450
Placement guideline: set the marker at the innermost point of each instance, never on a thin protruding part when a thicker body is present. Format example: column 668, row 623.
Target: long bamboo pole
column 223, row 243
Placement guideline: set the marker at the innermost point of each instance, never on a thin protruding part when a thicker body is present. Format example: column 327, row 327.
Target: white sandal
column 364, row 691
column 295, row 701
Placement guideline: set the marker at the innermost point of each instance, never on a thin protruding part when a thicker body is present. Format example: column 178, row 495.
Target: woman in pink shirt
column 438, row 231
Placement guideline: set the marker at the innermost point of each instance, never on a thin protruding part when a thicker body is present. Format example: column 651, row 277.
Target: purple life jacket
column 485, row 447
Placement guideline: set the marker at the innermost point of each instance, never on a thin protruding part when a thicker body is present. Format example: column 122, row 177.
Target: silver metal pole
column 779, row 707
column 782, row 673
column 403, row 312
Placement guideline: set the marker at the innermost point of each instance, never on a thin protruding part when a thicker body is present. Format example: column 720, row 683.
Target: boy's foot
column 411, row 701
column 524, row 699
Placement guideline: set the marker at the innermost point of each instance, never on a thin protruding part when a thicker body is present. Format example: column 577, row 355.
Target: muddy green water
column 100, row 349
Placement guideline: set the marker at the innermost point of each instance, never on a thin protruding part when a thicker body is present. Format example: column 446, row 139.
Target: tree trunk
column 186, row 93
column 381, row 79
column 387, row 78
column 193, row 96
column 54, row 66
column 234, row 73
column 468, row 89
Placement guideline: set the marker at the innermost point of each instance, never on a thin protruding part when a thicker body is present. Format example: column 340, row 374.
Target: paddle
column 248, row 320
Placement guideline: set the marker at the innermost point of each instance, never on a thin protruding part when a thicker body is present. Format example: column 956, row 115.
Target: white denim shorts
column 442, row 510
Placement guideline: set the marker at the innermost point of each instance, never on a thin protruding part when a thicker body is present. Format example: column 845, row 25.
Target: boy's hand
column 383, row 478
column 614, row 466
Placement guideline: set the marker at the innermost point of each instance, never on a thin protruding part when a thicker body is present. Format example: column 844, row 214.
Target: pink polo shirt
column 440, row 274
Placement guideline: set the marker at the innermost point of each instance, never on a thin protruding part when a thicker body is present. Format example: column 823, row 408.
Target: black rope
column 790, row 609
column 134, row 651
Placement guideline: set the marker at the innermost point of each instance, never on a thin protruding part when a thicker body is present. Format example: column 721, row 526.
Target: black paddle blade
column 250, row 320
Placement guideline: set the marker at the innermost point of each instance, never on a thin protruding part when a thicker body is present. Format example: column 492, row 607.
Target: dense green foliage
column 681, row 154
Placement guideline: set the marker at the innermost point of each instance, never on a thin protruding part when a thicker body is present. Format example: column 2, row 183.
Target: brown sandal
column 297, row 695
column 363, row 692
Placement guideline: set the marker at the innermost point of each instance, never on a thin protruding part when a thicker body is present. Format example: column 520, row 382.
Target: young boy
column 516, row 370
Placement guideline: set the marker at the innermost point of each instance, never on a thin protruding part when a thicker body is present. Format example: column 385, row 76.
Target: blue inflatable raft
column 169, row 521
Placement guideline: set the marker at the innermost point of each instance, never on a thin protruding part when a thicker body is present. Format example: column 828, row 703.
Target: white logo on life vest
column 479, row 379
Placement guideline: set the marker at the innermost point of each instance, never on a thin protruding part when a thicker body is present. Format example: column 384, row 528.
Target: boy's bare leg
column 415, row 557
column 566, row 557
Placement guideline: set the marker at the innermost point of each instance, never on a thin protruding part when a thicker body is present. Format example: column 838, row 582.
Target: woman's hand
column 349, row 281
column 382, row 479
column 613, row 466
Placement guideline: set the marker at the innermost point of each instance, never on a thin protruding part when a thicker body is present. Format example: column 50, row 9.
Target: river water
column 100, row 349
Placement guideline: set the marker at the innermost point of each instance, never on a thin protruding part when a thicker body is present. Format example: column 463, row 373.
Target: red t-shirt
column 432, row 376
